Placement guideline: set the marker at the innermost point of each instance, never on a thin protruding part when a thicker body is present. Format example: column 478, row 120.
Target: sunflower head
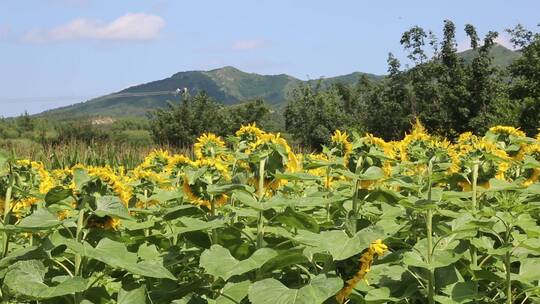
column 340, row 146
column 370, row 151
column 32, row 173
column 530, row 169
column 415, row 145
column 249, row 133
column 156, row 160
column 201, row 174
column 177, row 163
column 492, row 161
column 509, row 139
column 209, row 145
column 277, row 151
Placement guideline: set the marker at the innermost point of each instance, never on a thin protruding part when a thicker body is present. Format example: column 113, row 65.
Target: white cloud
column 248, row 44
column 130, row 27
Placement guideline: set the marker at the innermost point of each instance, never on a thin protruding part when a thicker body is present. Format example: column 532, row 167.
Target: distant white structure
column 180, row 91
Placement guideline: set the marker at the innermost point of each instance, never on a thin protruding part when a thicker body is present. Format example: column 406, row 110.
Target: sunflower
column 209, row 145
column 505, row 130
column 19, row 206
column 46, row 182
column 413, row 146
column 140, row 173
column 273, row 143
column 118, row 181
column 316, row 158
column 156, row 160
column 249, row 133
column 176, row 164
column 376, row 248
column 371, row 151
column 509, row 139
column 279, row 158
column 532, row 175
column 471, row 149
column 341, row 145
column 196, row 190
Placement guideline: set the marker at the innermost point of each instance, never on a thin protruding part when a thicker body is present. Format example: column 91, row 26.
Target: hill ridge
column 227, row 84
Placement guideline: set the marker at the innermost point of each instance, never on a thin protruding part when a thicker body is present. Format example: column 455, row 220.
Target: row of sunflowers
column 247, row 220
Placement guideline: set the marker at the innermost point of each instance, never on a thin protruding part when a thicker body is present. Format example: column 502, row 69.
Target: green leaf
column 180, row 211
column 233, row 293
column 284, row 259
column 116, row 255
column 162, row 196
column 41, row 219
column 528, row 270
column 80, row 178
column 462, row 292
column 111, row 206
column 272, row 291
column 219, row 262
column 372, row 173
column 192, row 224
column 26, row 253
column 297, row 220
column 296, row 176
column 220, row 189
column 132, row 296
column 337, row 243
column 27, row 278
column 248, row 199
column 379, row 295
column 56, row 195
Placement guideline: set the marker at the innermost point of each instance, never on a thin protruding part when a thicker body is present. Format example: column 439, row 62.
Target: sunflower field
column 245, row 219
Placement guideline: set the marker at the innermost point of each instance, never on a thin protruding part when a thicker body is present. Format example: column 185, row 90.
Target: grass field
column 246, row 219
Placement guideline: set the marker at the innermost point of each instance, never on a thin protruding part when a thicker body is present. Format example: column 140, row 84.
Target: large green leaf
column 111, row 206
column 298, row 220
column 80, row 178
column 116, row 255
column 188, row 224
column 219, row 262
column 337, row 243
column 41, row 219
column 26, row 278
column 272, row 291
column 132, row 296
column 56, row 195
column 233, row 293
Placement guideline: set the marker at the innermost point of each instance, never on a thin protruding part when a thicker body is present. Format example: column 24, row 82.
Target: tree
column 180, row 124
column 314, row 113
column 525, row 72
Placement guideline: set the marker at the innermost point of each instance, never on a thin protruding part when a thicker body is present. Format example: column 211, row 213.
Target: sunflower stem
column 6, row 217
column 78, row 235
column 327, row 187
column 78, row 257
column 429, row 230
column 354, row 215
column 508, row 278
column 260, row 219
column 213, row 214
column 472, row 249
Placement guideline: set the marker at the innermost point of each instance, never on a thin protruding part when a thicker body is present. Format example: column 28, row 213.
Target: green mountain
column 228, row 85
column 502, row 57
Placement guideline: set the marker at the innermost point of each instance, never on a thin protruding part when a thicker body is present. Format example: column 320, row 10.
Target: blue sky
column 58, row 52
